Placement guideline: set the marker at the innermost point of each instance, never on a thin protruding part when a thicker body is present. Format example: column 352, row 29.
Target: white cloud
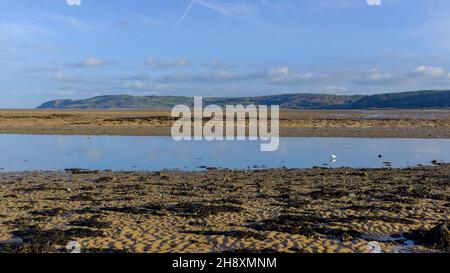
column 374, row 2
column 62, row 77
column 73, row 2
column 284, row 76
column 377, row 75
column 164, row 64
column 284, row 70
column 430, row 71
column 144, row 85
column 90, row 62
column 334, row 89
column 216, row 64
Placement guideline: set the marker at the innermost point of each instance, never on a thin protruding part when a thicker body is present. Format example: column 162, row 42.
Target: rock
column 374, row 247
column 437, row 162
column 437, row 237
column 73, row 247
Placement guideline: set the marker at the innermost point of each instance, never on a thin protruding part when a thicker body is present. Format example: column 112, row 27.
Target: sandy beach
column 323, row 123
column 280, row 210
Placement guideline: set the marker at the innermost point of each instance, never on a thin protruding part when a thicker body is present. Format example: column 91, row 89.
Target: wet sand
column 323, row 123
column 281, row 210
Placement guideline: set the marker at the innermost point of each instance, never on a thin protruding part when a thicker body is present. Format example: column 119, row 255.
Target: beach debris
column 374, row 247
column 73, row 247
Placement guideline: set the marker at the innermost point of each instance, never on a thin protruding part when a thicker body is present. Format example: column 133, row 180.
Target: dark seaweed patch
column 200, row 210
column 144, row 209
column 307, row 225
column 85, row 196
column 49, row 212
column 92, row 222
column 81, row 171
column 36, row 240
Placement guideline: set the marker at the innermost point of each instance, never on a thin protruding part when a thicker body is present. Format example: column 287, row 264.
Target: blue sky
column 50, row 49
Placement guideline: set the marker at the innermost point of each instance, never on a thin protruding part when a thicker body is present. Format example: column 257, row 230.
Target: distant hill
column 404, row 100
column 118, row 102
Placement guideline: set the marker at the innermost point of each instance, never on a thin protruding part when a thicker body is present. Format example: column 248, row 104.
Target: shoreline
column 314, row 210
column 410, row 133
column 309, row 123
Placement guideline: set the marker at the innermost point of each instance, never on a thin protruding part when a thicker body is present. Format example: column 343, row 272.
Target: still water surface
column 27, row 152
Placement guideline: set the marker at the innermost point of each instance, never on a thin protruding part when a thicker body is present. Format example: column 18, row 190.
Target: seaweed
column 200, row 210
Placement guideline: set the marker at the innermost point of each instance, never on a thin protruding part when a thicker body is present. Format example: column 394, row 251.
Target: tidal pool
column 31, row 152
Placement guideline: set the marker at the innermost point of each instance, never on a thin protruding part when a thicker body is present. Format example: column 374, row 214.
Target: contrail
column 186, row 12
column 204, row 4
column 213, row 7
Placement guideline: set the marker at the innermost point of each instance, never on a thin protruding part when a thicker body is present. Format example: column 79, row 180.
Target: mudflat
column 277, row 210
column 321, row 123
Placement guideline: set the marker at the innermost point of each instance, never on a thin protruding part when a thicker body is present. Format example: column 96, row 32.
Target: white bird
column 333, row 158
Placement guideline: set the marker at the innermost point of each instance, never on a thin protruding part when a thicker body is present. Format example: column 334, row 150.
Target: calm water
column 26, row 152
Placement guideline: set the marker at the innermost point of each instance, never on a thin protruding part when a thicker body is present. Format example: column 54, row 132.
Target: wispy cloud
column 145, row 86
column 165, row 64
column 72, row 21
column 62, row 77
column 148, row 21
column 217, row 64
column 13, row 30
column 91, row 62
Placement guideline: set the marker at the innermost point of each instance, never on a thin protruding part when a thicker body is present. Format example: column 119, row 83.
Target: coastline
column 293, row 123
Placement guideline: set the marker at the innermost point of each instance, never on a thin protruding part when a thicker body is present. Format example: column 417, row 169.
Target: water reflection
column 26, row 152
